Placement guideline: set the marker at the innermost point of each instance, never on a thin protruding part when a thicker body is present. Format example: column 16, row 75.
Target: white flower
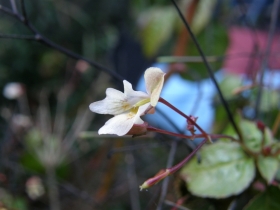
column 128, row 106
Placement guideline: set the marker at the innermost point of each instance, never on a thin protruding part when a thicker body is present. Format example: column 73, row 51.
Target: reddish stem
column 182, row 163
column 213, row 136
column 184, row 115
column 166, row 172
column 150, row 128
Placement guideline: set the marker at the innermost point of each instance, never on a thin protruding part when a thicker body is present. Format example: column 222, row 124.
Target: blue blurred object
column 193, row 98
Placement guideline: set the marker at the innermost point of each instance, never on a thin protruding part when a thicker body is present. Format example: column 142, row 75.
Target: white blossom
column 128, row 106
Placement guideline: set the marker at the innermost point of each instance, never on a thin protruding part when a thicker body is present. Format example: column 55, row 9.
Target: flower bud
column 154, row 180
column 261, row 126
column 190, row 125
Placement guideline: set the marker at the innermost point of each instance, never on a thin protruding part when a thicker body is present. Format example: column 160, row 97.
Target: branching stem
column 185, row 116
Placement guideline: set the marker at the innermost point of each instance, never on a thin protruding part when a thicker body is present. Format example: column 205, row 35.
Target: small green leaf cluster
column 226, row 168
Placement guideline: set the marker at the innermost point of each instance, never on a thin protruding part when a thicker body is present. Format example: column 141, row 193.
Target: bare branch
column 47, row 42
column 14, row 6
column 17, row 36
column 165, row 183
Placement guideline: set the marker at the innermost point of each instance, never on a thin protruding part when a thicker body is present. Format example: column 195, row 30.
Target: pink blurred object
column 245, row 41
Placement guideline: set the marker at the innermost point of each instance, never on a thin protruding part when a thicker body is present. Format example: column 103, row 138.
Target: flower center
column 132, row 112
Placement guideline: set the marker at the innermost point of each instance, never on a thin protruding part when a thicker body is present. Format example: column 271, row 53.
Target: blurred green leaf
column 268, row 136
column 30, row 162
column 203, row 15
column 229, row 84
column 268, row 167
column 222, row 164
column 213, row 41
column 157, row 25
column 33, row 139
column 11, row 202
column 268, row 200
column 252, row 136
column 270, row 100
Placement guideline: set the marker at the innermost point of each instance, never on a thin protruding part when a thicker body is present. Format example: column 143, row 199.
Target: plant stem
column 182, row 163
column 53, row 189
column 184, row 115
column 150, row 128
column 210, row 71
column 167, row 172
column 212, row 136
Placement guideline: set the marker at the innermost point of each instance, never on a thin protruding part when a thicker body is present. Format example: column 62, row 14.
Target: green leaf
column 268, row 136
column 157, row 26
column 9, row 201
column 270, row 100
column 277, row 175
column 203, row 15
column 268, row 200
column 229, row 84
column 224, row 170
column 31, row 163
column 268, row 167
column 252, row 136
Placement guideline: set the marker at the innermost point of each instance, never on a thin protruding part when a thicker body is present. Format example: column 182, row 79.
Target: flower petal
column 154, row 78
column 118, row 125
column 114, row 103
column 117, row 102
column 133, row 96
column 121, row 124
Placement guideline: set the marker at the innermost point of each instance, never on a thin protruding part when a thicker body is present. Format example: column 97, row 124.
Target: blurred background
column 51, row 155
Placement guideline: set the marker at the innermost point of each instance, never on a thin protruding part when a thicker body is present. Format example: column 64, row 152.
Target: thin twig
column 190, row 144
column 170, row 203
column 42, row 39
column 210, row 72
column 14, row 6
column 212, row 136
column 213, row 58
column 272, row 28
column 132, row 179
column 18, row 36
column 183, row 114
column 248, row 22
column 132, row 147
column 170, row 161
column 79, row 193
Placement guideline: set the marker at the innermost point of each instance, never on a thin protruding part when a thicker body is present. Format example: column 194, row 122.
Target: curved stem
column 185, row 116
